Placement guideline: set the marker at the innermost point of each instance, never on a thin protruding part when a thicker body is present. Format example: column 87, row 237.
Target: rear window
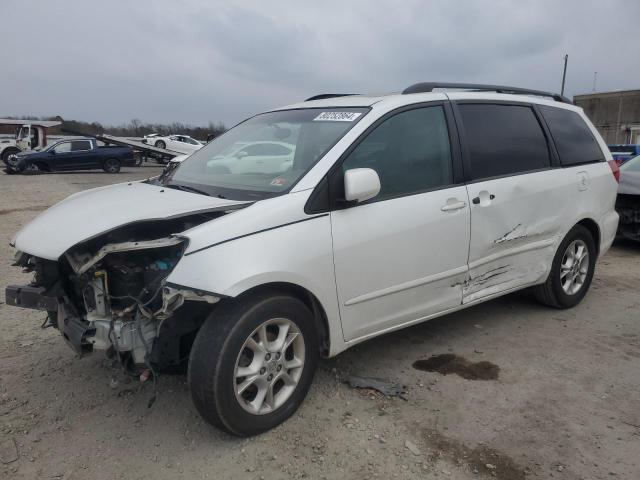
column 573, row 138
column 623, row 149
column 503, row 140
column 78, row 145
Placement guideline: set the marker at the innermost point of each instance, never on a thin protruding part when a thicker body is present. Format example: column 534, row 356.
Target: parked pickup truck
column 75, row 154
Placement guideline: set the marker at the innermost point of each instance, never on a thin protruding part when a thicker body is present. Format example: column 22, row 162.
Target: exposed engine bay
column 110, row 293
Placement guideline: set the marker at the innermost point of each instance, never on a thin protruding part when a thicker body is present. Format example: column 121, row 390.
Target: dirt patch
column 481, row 460
column 449, row 363
column 34, row 208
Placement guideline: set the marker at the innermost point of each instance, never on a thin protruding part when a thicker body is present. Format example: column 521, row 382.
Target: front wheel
column 571, row 271
column 160, row 144
column 252, row 362
column 111, row 165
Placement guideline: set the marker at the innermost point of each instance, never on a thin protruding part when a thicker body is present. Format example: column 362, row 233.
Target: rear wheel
column 111, row 165
column 571, row 271
column 252, row 362
column 160, row 144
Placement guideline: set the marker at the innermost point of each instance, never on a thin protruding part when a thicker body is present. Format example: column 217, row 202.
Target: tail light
column 615, row 169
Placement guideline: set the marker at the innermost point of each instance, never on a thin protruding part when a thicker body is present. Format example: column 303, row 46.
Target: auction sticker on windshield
column 337, row 116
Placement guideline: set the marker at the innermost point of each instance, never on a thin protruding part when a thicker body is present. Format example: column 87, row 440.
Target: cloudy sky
column 197, row 61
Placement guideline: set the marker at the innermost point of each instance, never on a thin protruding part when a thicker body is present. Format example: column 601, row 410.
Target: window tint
column 574, row 141
column 63, row 147
column 503, row 140
column 80, row 145
column 410, row 152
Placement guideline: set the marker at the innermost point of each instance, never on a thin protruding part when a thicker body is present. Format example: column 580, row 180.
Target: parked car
column 177, row 143
column 394, row 210
column 257, row 157
column 628, row 201
column 622, row 153
column 76, row 154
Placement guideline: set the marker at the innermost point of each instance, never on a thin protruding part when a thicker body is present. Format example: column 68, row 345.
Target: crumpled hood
column 87, row 214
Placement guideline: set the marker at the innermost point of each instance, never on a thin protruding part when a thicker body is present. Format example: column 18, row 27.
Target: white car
column 394, row 210
column 176, row 143
column 257, row 157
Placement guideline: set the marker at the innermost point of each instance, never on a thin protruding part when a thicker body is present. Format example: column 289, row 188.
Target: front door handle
column 453, row 206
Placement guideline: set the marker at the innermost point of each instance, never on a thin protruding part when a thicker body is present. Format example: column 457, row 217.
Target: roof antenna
column 564, row 73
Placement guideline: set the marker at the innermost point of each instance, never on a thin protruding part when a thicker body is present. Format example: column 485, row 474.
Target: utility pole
column 564, row 73
column 595, row 78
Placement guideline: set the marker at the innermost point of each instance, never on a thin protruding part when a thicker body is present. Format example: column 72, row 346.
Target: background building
column 616, row 115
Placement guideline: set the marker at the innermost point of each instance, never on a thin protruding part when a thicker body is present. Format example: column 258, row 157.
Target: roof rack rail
column 477, row 87
column 322, row 96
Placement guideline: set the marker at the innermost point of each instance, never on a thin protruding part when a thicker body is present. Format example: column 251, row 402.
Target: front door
column 402, row 256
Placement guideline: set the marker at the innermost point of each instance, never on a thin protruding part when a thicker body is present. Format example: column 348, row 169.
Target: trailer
column 161, row 155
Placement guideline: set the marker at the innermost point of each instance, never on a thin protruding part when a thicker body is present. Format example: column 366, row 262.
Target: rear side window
column 573, row 138
column 410, row 151
column 503, row 140
column 78, row 145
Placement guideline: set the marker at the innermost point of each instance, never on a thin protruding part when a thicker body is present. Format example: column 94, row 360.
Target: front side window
column 63, row 147
column 574, row 141
column 503, row 140
column 410, row 153
column 301, row 136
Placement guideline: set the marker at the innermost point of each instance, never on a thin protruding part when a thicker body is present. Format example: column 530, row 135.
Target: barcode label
column 337, row 117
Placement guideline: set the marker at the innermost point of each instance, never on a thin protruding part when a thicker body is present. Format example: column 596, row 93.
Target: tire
column 34, row 169
column 160, row 144
column 111, row 165
column 7, row 152
column 559, row 290
column 223, row 347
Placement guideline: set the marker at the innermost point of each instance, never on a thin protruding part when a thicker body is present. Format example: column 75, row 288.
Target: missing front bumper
column 26, row 296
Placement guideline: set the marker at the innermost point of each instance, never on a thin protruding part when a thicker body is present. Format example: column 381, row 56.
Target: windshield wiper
column 186, row 188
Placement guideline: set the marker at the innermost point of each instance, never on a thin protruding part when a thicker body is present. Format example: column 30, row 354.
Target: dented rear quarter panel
column 515, row 236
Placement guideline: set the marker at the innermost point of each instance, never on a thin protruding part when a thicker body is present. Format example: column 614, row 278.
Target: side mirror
column 361, row 184
column 52, row 151
column 241, row 154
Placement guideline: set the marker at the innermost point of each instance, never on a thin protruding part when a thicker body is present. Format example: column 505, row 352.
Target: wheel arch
column 310, row 300
column 43, row 165
column 594, row 230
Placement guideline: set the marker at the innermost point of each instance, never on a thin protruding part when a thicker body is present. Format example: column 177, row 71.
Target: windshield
column 23, row 132
column 265, row 155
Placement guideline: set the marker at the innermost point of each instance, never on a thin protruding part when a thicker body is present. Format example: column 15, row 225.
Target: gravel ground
column 531, row 392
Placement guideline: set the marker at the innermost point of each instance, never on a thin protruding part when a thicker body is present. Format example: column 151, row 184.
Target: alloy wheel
column 574, row 267
column 269, row 366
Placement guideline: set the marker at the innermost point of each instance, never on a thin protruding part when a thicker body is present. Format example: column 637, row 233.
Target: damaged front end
column 110, row 293
column 628, row 207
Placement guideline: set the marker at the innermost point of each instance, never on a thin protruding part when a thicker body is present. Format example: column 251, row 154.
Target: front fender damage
column 111, row 293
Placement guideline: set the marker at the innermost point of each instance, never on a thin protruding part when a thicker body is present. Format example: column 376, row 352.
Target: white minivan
column 391, row 211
